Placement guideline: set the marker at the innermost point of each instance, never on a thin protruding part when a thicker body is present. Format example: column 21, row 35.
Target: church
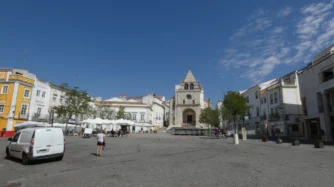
column 187, row 104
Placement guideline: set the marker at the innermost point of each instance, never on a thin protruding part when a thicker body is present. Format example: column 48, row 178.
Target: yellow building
column 15, row 94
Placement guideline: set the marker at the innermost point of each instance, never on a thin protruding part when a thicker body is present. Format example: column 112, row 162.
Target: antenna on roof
column 25, row 55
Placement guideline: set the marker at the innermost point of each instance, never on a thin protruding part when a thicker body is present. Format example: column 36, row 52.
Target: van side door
column 14, row 148
column 24, row 141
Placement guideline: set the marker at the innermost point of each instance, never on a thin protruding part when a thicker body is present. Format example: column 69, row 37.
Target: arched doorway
column 189, row 117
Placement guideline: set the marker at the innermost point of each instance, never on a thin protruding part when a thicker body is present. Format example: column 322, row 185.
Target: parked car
column 35, row 144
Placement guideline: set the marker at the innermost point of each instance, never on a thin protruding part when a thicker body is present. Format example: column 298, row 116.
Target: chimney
column 123, row 96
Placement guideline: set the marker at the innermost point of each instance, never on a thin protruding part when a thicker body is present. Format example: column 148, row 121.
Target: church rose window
column 188, row 96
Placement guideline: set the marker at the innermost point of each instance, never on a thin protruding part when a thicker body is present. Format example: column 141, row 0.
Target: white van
column 36, row 143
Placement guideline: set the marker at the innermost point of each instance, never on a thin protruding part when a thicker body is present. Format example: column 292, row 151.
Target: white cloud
column 269, row 39
column 278, row 30
column 285, row 12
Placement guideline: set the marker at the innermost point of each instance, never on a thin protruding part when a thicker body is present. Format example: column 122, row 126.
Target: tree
column 235, row 105
column 225, row 115
column 76, row 103
column 210, row 117
column 106, row 112
column 121, row 113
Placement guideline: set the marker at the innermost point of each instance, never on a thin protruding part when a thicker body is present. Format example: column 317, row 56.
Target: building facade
column 39, row 107
column 15, row 96
column 317, row 95
column 146, row 110
column 187, row 104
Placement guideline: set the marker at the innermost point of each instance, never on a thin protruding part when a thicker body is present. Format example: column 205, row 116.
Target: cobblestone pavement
column 146, row 160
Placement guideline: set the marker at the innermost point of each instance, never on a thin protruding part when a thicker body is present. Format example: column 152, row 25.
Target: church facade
column 187, row 104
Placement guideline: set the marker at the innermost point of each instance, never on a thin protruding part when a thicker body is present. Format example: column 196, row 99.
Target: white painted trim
column 2, row 108
column 2, row 88
column 25, row 92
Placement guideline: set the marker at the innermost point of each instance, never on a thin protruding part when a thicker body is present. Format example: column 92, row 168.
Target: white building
column 56, row 98
column 145, row 111
column 40, row 99
column 317, row 94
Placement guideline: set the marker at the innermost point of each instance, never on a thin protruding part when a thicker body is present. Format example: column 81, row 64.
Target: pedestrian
column 100, row 143
column 217, row 133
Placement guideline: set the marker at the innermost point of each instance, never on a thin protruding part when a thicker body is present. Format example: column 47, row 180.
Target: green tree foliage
column 106, row 112
column 234, row 105
column 121, row 113
column 210, row 117
column 76, row 103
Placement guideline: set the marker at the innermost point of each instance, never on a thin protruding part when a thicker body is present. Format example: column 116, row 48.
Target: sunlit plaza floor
column 163, row 160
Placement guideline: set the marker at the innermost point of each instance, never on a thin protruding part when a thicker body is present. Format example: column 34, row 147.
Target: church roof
column 190, row 77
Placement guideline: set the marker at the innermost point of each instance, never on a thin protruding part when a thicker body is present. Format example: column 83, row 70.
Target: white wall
column 40, row 101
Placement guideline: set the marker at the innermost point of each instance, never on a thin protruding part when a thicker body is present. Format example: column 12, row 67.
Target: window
column 272, row 111
column 134, row 116
column 43, row 94
column 54, row 97
column 193, row 101
column 61, row 98
column 16, row 137
column 304, row 106
column 39, row 110
column 275, row 97
column 4, row 89
column 25, row 137
column 26, row 93
column 256, row 95
column 184, row 101
column 188, row 96
column 257, row 111
column 142, row 117
column 24, row 110
column 191, row 86
column 2, row 108
column 127, row 116
column 38, row 92
column 271, row 99
column 186, row 86
column 265, row 100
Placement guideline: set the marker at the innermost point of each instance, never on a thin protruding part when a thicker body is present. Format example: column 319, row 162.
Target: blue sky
column 138, row 47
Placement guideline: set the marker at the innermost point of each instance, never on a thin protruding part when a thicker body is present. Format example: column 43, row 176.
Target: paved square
column 162, row 160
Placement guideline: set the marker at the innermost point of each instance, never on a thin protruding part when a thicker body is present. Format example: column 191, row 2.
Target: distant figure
column 100, row 143
column 3, row 132
column 217, row 133
column 112, row 132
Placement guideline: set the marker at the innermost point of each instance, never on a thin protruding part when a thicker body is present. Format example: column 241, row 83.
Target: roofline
column 314, row 63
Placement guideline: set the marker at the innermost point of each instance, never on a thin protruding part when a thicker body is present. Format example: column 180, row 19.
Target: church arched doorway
column 189, row 117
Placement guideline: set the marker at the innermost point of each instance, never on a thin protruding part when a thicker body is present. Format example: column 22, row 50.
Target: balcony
column 40, row 118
